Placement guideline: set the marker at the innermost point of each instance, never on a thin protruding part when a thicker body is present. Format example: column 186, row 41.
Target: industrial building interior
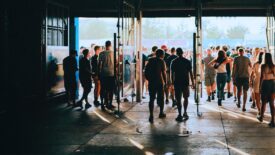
column 35, row 37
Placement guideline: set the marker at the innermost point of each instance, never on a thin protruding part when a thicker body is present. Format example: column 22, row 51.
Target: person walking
column 95, row 76
column 267, row 85
column 228, row 71
column 70, row 68
column 155, row 73
column 233, row 56
column 220, row 65
column 209, row 76
column 167, row 86
column 254, row 60
column 241, row 76
column 144, row 63
column 255, row 81
column 169, row 80
column 107, row 76
column 181, row 72
column 85, row 77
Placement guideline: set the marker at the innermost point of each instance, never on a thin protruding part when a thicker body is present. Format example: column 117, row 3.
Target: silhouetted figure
column 95, row 75
column 153, row 52
column 51, row 72
column 85, row 77
column 167, row 86
column 181, row 70
column 70, row 68
column 169, row 82
column 107, row 76
column 155, row 73
column 144, row 63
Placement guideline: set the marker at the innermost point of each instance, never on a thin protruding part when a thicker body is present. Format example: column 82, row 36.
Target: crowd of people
column 99, row 68
column 168, row 74
column 245, row 69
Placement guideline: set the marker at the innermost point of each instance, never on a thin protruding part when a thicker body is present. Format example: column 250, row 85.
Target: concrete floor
column 221, row 130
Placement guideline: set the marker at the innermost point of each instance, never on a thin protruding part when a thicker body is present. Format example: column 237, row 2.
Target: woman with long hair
column 220, row 65
column 267, row 86
column 255, row 80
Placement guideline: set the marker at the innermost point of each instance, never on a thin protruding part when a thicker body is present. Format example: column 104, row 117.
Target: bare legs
column 258, row 101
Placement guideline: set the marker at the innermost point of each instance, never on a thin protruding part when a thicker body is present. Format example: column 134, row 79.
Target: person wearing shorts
column 95, row 76
column 241, row 74
column 107, row 75
column 255, row 78
column 267, row 87
column 155, row 73
column 228, row 72
column 181, row 69
column 209, row 76
column 169, row 80
column 234, row 55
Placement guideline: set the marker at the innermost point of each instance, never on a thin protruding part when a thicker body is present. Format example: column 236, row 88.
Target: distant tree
column 95, row 30
column 237, row 32
column 213, row 33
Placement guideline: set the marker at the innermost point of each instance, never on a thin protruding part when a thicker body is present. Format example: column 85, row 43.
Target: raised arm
column 211, row 62
column 228, row 60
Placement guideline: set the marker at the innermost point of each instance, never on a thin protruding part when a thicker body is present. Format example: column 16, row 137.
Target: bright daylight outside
column 178, row 32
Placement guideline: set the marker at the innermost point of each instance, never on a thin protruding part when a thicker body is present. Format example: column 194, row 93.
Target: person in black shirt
column 94, row 63
column 70, row 68
column 153, row 54
column 85, row 73
column 169, row 83
column 155, row 73
column 181, row 69
column 144, row 63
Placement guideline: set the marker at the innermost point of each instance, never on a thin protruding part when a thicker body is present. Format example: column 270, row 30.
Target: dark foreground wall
column 21, row 51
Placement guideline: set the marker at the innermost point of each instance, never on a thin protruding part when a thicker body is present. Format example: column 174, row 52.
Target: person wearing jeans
column 221, row 81
column 220, row 65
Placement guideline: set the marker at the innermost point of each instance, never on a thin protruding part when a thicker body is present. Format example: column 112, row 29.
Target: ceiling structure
column 171, row 8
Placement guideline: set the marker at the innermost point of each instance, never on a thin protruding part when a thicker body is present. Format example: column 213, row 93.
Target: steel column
column 139, row 57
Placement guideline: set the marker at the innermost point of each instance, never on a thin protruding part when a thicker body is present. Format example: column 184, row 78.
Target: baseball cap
column 164, row 47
